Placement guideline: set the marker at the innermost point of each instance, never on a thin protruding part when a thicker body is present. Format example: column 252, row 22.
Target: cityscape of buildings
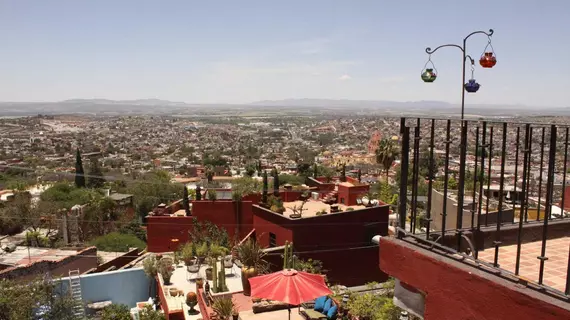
column 301, row 168
column 319, row 185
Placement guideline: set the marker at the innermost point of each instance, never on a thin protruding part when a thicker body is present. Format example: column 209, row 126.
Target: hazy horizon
column 239, row 53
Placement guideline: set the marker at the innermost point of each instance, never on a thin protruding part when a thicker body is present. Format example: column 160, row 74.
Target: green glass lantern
column 429, row 75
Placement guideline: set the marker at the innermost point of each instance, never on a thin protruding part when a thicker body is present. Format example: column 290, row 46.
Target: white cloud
column 344, row 77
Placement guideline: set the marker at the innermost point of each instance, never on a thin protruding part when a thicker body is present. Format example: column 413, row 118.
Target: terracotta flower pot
column 246, row 273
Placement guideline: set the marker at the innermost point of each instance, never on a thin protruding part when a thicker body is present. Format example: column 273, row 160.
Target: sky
column 245, row 51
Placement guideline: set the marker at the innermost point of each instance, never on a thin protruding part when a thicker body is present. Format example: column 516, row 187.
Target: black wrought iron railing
column 489, row 187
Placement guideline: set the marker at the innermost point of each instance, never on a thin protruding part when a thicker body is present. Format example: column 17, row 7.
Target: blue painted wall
column 121, row 287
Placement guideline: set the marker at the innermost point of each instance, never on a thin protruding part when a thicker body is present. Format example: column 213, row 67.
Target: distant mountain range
column 157, row 106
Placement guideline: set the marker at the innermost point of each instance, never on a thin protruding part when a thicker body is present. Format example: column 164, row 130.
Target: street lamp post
column 488, row 60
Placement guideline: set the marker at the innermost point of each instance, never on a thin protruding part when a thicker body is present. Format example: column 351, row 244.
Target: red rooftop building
column 340, row 238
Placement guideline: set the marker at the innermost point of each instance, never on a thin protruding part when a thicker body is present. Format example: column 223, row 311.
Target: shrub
column 148, row 313
column 118, row 242
column 116, row 312
column 134, row 228
column 36, row 239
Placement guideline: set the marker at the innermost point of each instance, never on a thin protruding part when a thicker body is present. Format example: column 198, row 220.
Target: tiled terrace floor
column 555, row 268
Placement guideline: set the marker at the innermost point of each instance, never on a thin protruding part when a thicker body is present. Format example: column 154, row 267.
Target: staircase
column 75, row 286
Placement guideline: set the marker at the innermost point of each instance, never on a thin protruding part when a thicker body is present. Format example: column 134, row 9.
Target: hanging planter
column 488, row 58
column 472, row 86
column 429, row 74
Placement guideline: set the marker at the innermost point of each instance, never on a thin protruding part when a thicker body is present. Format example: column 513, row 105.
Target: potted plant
column 201, row 252
column 209, row 273
column 223, row 307
column 165, row 268
column 191, row 302
column 188, row 253
column 251, row 256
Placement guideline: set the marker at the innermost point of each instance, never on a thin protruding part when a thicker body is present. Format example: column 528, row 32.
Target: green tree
column 135, row 228
column 148, row 313
column 386, row 153
column 36, row 299
column 246, row 185
column 116, row 312
column 186, row 201
column 291, row 179
column 65, row 195
column 22, row 213
column 386, row 193
column 117, row 242
column 79, row 172
column 452, row 183
column 275, row 183
column 250, row 170
column 96, row 179
column 152, row 189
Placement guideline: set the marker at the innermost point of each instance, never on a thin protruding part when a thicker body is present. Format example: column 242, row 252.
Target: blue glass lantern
column 472, row 86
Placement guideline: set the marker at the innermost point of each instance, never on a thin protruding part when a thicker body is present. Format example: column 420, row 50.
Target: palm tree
column 386, row 153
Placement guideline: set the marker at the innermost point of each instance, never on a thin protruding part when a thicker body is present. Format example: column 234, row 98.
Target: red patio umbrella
column 289, row 286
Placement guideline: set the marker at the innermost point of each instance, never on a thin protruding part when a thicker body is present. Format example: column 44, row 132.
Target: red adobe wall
column 343, row 229
column 321, row 184
column 351, row 193
column 290, row 196
column 346, row 234
column 162, row 229
column 162, row 298
column 265, row 221
column 220, row 212
column 456, row 291
column 350, row 267
column 223, row 214
column 168, row 314
column 204, row 310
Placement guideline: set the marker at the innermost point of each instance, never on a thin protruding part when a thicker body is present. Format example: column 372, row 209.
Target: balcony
column 495, row 213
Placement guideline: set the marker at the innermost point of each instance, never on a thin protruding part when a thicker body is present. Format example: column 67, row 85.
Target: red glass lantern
column 488, row 60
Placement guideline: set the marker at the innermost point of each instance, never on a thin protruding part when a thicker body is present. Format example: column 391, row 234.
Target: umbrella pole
column 289, row 309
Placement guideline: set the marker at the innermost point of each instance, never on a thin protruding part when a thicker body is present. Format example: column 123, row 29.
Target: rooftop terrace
column 311, row 208
column 185, row 281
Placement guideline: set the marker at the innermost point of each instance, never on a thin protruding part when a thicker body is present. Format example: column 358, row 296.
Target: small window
column 342, row 200
column 272, row 240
